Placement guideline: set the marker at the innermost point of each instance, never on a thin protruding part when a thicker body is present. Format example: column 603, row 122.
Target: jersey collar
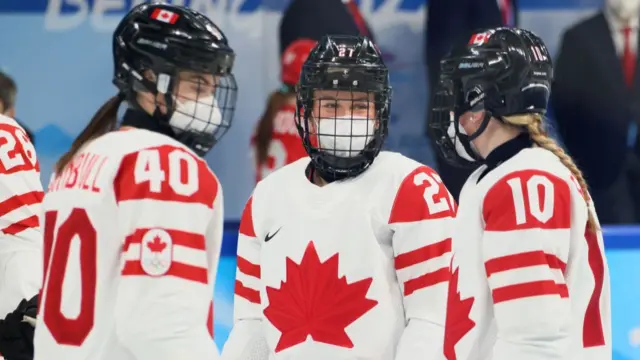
column 505, row 152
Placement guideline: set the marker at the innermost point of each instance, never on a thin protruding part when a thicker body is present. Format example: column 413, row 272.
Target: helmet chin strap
column 466, row 140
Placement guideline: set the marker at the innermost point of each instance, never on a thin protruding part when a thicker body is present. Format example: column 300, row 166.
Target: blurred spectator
column 449, row 23
column 276, row 141
column 595, row 101
column 8, row 92
column 312, row 19
column 508, row 12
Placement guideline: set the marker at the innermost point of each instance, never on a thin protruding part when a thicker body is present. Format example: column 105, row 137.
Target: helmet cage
column 168, row 56
column 350, row 78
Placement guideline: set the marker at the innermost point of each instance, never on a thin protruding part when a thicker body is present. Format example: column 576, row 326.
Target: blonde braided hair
column 533, row 123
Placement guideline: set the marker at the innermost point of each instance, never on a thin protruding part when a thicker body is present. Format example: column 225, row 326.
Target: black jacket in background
column 593, row 108
column 312, row 19
column 450, row 23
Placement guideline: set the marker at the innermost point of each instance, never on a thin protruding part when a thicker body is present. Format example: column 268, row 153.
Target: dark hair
column 8, row 90
column 264, row 131
column 104, row 120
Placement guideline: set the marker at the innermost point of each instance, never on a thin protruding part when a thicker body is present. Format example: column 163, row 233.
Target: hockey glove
column 17, row 330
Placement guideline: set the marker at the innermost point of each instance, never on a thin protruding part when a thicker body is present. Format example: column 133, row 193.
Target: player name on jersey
column 81, row 173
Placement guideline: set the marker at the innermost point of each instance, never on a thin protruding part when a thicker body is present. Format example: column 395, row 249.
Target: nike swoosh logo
column 270, row 236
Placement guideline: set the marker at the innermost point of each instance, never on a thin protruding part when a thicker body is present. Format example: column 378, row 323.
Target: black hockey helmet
column 184, row 50
column 343, row 102
column 503, row 71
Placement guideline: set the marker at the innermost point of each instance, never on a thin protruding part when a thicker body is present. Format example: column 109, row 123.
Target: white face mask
column 451, row 131
column 624, row 9
column 198, row 116
column 345, row 133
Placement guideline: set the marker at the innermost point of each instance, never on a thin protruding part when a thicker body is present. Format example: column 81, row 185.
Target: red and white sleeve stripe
column 21, row 191
column 247, row 287
column 421, row 219
column 422, row 230
column 181, row 217
column 527, row 218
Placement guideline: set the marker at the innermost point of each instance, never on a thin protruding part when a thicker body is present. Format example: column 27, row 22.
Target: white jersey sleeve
column 21, row 197
column 246, row 340
column 421, row 219
column 527, row 217
column 172, row 228
column 20, row 186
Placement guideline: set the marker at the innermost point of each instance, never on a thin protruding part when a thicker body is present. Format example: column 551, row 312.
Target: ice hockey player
column 20, row 231
column 344, row 254
column 133, row 217
column 529, row 277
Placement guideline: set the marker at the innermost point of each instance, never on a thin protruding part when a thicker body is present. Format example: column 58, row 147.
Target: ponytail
column 104, row 120
column 540, row 137
column 264, row 131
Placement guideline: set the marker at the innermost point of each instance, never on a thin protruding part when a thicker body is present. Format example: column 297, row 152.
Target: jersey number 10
column 69, row 330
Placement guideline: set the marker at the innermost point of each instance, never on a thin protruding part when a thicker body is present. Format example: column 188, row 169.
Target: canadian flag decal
column 166, row 16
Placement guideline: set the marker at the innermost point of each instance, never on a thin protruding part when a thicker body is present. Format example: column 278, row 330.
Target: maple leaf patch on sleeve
column 156, row 252
column 314, row 301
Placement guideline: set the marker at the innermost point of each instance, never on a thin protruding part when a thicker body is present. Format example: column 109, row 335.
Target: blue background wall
column 59, row 53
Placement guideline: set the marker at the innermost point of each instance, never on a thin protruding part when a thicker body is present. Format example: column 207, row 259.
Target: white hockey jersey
column 356, row 269
column 528, row 281
column 20, row 204
column 133, row 230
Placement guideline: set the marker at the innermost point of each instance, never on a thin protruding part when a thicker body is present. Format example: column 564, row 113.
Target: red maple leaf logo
column 457, row 323
column 157, row 245
column 314, row 301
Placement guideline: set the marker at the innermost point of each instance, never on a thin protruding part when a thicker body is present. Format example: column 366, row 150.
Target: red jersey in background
column 286, row 145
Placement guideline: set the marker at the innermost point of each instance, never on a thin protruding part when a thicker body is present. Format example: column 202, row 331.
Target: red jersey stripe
column 423, row 254
column 22, row 225
column 250, row 295
column 17, row 201
column 426, row 280
column 522, row 260
column 529, row 289
column 181, row 238
column 248, row 268
column 177, row 269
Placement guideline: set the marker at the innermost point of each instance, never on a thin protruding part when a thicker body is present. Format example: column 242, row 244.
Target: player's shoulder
column 155, row 166
column 6, row 121
column 283, row 176
column 529, row 163
column 534, row 181
column 11, row 127
column 397, row 169
column 133, row 140
column 406, row 184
